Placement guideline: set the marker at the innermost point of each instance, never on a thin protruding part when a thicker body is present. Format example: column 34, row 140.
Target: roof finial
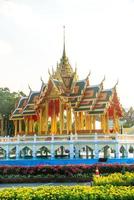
column 101, row 84
column 88, row 74
column 103, row 79
column 49, row 73
column 29, row 88
column 52, row 70
column 41, row 80
column 116, row 84
column 75, row 67
column 64, row 51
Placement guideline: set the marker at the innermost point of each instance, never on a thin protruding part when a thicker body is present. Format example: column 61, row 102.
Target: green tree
column 8, row 101
column 128, row 118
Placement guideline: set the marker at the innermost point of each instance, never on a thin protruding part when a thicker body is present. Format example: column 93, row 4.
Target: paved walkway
column 11, row 185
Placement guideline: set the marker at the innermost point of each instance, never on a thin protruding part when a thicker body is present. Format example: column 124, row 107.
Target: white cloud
column 6, row 8
column 5, row 48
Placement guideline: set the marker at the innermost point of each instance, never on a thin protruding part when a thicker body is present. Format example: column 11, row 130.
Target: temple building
column 66, row 105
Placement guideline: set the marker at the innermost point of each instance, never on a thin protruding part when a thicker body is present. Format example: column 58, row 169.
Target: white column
column 34, row 151
column 34, row 147
column 17, row 151
column 7, row 151
column 96, row 146
column 52, row 150
column 52, row 146
column 76, row 152
column 127, row 150
column 17, row 147
column 96, row 151
column 71, row 148
column 117, row 149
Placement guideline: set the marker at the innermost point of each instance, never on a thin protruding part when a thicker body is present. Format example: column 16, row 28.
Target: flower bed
column 67, row 170
column 116, row 179
column 66, row 173
column 69, row 193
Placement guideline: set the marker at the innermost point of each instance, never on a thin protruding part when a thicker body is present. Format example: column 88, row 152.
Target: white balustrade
column 70, row 141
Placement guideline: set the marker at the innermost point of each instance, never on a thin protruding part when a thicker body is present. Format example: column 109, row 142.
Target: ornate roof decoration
column 78, row 94
column 17, row 114
column 29, row 109
column 64, row 72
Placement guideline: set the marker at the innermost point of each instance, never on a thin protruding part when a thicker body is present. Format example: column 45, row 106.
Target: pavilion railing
column 71, row 137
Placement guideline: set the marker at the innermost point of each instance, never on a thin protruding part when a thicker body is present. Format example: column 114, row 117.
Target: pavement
column 14, row 185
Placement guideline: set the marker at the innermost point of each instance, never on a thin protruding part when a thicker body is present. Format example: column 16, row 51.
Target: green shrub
column 69, row 193
column 116, row 179
column 67, row 170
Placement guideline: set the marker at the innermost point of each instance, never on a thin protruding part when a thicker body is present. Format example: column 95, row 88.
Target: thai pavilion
column 67, row 105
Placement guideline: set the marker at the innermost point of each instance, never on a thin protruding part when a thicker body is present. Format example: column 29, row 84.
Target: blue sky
column 99, row 37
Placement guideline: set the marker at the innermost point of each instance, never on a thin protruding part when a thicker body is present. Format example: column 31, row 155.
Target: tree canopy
column 128, row 118
column 8, row 100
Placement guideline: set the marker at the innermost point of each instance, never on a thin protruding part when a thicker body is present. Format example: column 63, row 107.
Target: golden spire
column 65, row 67
column 64, row 41
column 64, row 71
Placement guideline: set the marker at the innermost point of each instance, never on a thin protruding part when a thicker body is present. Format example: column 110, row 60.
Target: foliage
column 69, row 193
column 128, row 124
column 128, row 118
column 66, row 170
column 8, row 100
column 116, row 179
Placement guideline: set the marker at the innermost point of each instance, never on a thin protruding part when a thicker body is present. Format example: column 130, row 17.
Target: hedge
column 67, row 170
column 69, row 193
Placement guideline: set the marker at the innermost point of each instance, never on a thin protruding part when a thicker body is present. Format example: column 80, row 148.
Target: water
column 36, row 162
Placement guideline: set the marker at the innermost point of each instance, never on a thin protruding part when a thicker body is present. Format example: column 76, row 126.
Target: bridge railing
column 89, row 137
